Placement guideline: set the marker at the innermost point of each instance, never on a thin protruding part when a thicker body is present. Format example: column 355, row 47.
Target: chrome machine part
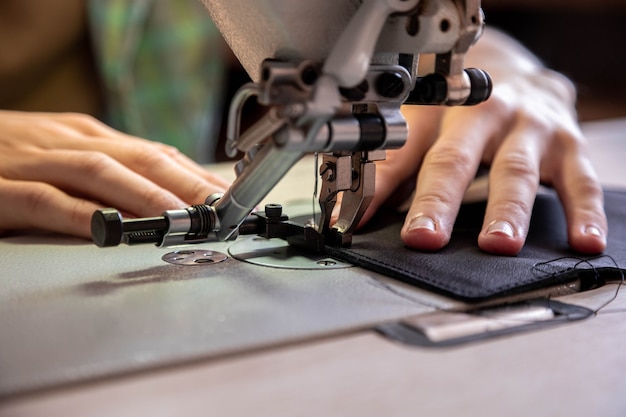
column 193, row 224
column 194, row 257
column 352, row 174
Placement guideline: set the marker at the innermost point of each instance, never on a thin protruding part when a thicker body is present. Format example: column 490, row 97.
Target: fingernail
column 593, row 231
column 500, row 227
column 421, row 223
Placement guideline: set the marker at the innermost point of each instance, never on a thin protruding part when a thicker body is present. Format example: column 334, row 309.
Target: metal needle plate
column 194, row 257
column 277, row 253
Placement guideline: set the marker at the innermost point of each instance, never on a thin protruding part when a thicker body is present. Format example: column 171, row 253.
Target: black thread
column 596, row 274
column 377, row 282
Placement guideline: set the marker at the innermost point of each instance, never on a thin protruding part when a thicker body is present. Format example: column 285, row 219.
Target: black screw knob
column 481, row 86
column 389, row 84
column 355, row 93
column 273, row 211
column 106, row 227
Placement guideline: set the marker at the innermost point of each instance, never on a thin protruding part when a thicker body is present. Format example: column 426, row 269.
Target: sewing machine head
column 331, row 76
column 346, row 36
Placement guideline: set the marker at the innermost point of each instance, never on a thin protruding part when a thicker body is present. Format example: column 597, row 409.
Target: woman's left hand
column 528, row 134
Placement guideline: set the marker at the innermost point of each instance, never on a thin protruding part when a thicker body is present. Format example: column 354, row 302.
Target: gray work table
column 89, row 331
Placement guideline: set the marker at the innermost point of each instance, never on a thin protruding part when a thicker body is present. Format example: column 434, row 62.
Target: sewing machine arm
column 340, row 99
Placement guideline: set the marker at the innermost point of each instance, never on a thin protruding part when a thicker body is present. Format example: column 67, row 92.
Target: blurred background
column 584, row 39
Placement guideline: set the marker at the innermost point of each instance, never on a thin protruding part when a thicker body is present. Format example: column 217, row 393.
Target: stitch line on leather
column 449, row 286
column 409, row 272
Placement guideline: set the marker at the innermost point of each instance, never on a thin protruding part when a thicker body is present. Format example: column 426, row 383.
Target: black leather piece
column 461, row 270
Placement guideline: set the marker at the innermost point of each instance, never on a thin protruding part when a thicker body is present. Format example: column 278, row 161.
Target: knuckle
column 77, row 214
column 501, row 103
column 144, row 158
column 436, row 198
column 80, row 119
column 450, row 160
column 589, row 188
column 169, row 150
column 539, row 123
column 36, row 197
column 519, row 165
column 572, row 141
column 514, row 207
column 93, row 163
column 498, row 102
column 86, row 124
column 157, row 199
column 533, row 122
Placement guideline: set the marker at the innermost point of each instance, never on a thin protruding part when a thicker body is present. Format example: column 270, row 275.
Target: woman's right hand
column 56, row 169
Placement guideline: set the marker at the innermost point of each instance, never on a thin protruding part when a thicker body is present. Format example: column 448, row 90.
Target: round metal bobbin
column 194, row 257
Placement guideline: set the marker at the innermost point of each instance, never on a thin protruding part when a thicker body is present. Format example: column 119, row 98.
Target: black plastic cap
column 481, row 86
column 430, row 89
column 106, row 227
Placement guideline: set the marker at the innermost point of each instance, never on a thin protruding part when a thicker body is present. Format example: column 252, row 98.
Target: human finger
column 168, row 169
column 582, row 198
column 513, row 183
column 189, row 164
column 395, row 175
column 162, row 163
column 96, row 176
column 446, row 172
column 36, row 205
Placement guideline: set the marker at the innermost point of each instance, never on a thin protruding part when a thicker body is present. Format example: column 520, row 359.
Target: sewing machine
column 157, row 337
column 331, row 83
